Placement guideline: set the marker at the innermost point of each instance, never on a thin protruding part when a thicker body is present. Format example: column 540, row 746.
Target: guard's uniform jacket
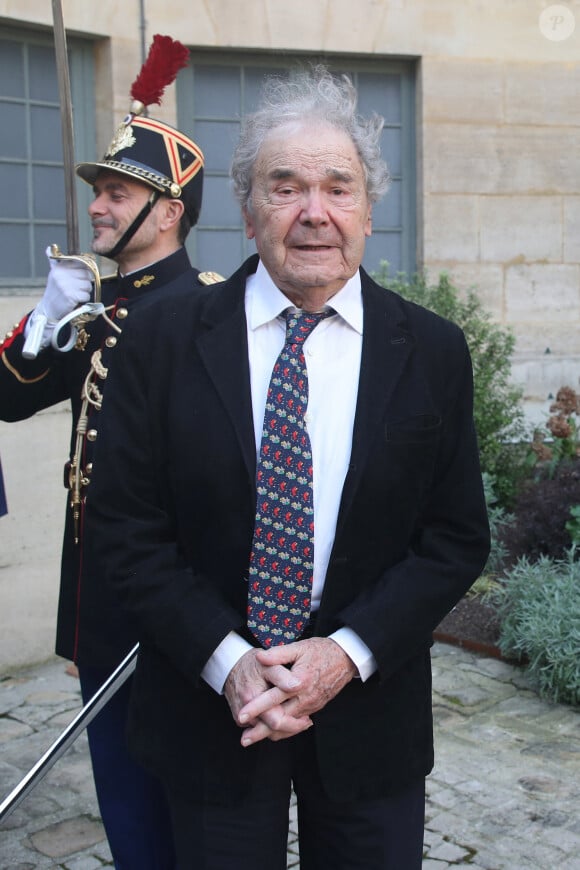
column 90, row 629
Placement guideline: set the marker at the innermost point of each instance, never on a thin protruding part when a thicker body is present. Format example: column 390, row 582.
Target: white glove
column 69, row 285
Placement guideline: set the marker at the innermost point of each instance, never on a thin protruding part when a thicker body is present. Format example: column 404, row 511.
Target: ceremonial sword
column 32, row 343
column 70, row 734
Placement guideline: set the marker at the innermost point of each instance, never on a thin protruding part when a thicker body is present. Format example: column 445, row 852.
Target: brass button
column 89, row 467
column 9, row 334
column 92, row 435
column 121, row 313
column 111, row 341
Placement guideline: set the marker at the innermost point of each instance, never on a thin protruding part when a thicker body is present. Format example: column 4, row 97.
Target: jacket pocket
column 420, row 429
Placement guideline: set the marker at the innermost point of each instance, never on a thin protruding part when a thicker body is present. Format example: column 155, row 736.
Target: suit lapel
column 387, row 346
column 223, row 347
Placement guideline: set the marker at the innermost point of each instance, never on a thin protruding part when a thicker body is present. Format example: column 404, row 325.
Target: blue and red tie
column 282, row 557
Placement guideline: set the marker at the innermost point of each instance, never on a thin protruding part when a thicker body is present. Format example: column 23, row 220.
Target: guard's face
column 117, row 202
column 309, row 211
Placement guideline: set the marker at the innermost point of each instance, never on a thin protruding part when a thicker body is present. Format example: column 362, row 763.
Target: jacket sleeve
column 447, row 545
column 28, row 386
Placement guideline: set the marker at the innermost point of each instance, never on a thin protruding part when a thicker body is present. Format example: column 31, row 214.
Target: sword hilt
column 86, row 259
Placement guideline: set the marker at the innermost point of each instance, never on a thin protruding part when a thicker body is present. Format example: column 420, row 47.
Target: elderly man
column 147, row 196
column 289, row 500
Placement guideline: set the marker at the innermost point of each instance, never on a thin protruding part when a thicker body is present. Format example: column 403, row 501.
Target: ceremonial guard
column 147, row 195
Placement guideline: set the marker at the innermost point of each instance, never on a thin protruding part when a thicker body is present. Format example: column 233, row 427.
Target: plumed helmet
column 158, row 155
column 151, row 151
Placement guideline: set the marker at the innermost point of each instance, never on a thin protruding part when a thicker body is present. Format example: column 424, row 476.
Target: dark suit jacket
column 173, row 501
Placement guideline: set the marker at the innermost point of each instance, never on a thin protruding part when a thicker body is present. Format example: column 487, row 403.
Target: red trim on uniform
column 79, row 583
column 165, row 130
column 179, row 175
column 13, row 334
column 173, row 139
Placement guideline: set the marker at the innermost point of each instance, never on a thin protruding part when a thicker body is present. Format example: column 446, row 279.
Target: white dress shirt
column 333, row 354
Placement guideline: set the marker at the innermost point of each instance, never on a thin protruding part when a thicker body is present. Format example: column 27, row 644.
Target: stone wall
column 33, row 453
column 501, row 203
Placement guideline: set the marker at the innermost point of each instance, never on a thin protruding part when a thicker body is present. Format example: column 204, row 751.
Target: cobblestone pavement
column 504, row 795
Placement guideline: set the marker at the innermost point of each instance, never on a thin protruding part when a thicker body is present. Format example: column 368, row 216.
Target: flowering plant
column 561, row 438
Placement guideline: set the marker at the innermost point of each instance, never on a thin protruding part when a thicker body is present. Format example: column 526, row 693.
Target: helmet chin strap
column 130, row 232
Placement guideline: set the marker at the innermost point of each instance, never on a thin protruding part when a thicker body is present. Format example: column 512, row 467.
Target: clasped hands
column 273, row 693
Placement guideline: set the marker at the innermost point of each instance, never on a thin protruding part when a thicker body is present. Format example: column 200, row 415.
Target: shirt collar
column 265, row 302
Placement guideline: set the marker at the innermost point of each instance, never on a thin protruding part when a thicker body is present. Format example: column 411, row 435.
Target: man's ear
column 174, row 209
column 248, row 222
column 369, row 222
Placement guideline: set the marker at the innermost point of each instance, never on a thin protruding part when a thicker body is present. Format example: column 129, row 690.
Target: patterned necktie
column 282, row 557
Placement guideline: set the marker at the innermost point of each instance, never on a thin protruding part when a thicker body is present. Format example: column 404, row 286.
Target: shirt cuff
column 222, row 660
column 356, row 650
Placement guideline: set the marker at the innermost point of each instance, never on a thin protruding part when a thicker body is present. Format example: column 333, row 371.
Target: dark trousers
column 133, row 805
column 381, row 834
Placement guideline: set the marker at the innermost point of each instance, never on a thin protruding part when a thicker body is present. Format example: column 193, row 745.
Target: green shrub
column 573, row 524
column 498, row 411
column 499, row 522
column 539, row 610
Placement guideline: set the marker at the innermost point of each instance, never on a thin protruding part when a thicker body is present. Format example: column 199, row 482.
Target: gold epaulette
column 210, row 278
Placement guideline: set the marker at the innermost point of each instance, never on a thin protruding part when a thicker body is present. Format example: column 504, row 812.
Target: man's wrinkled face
column 309, row 212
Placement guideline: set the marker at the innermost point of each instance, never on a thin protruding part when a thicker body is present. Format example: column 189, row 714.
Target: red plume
column 166, row 57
